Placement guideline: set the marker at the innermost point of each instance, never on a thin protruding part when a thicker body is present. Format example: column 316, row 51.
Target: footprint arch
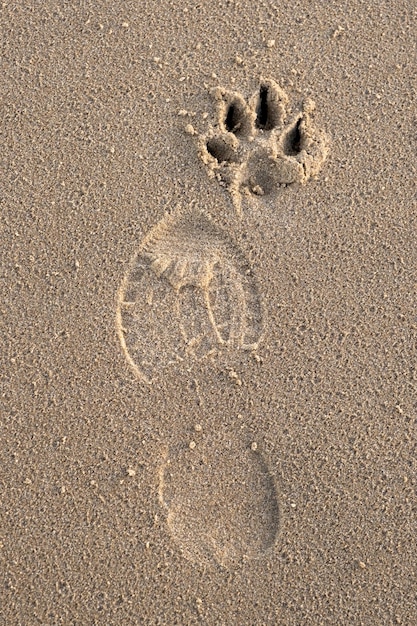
column 221, row 503
column 188, row 293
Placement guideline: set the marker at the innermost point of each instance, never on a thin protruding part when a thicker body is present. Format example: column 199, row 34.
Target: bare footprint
column 220, row 501
column 188, row 293
column 256, row 147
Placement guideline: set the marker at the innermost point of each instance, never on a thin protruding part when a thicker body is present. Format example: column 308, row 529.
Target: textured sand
column 268, row 479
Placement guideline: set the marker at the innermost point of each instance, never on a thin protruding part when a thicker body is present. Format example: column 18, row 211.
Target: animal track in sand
column 255, row 147
column 188, row 293
column 221, row 502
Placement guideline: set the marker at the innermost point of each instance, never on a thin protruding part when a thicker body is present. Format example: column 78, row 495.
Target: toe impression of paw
column 257, row 146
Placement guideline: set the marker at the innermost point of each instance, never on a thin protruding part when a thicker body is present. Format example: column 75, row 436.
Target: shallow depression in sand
column 189, row 293
column 221, row 502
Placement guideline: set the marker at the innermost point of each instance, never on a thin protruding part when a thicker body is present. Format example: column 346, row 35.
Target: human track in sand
column 189, row 293
column 221, row 501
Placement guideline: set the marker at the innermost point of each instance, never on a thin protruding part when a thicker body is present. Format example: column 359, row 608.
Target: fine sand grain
column 208, row 298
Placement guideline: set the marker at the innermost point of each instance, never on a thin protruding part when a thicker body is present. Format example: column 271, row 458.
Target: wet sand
column 208, row 314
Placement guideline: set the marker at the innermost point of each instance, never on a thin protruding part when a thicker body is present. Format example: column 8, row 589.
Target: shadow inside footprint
column 234, row 116
column 293, row 141
column 222, row 150
column 270, row 107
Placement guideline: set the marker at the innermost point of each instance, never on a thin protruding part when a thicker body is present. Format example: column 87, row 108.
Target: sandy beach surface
column 208, row 313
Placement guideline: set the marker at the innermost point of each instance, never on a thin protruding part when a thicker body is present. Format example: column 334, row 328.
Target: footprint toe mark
column 222, row 149
column 270, row 106
column 234, row 115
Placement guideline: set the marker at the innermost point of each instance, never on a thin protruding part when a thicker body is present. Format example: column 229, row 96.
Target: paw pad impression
column 256, row 146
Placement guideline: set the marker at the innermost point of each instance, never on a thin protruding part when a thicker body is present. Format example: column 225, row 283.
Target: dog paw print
column 257, row 146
